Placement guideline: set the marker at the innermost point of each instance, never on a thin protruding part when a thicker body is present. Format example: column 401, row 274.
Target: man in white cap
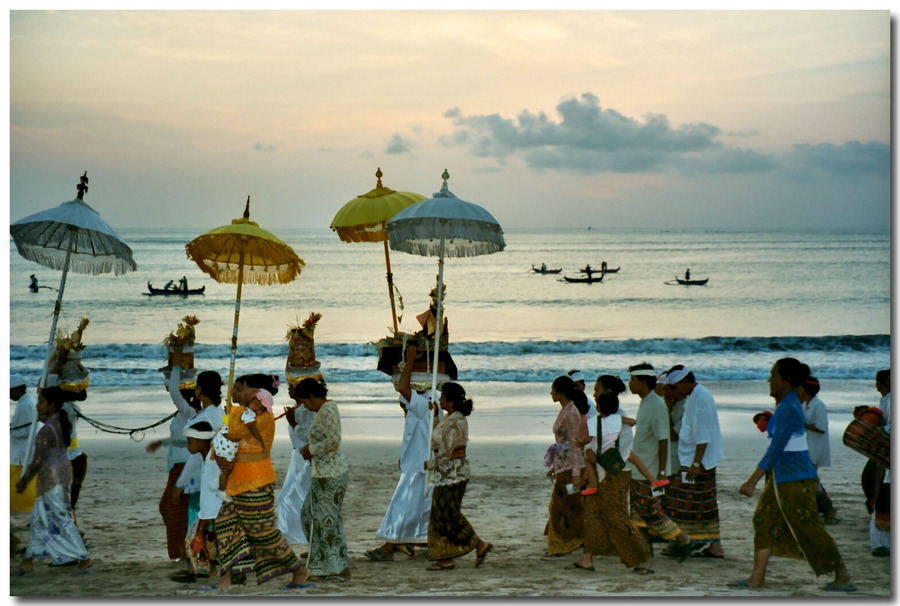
column 651, row 444
column 692, row 496
column 23, row 417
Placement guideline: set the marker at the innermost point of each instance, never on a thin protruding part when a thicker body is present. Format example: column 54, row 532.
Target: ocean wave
column 712, row 358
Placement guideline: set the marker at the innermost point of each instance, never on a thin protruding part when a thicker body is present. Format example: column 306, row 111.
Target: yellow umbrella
column 362, row 219
column 240, row 252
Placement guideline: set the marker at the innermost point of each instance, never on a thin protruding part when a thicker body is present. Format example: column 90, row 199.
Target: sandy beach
column 506, row 501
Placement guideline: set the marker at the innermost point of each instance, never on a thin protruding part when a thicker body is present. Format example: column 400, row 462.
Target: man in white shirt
column 406, row 520
column 693, row 502
column 23, row 418
column 651, row 444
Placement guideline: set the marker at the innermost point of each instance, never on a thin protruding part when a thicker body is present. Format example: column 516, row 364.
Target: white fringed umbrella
column 71, row 236
column 444, row 226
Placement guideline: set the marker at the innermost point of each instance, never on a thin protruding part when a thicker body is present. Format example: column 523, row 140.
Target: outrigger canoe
column 588, row 280
column 689, row 282
column 614, row 270
column 539, row 270
column 173, row 291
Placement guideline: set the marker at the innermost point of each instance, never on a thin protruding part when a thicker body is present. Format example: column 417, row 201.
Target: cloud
column 851, row 159
column 590, row 139
column 398, row 145
column 263, row 148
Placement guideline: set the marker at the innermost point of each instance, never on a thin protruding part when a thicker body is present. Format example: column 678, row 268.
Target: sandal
column 440, row 566
column 376, row 555
column 407, row 549
column 577, row 566
column 479, row 559
column 643, row 570
column 184, row 576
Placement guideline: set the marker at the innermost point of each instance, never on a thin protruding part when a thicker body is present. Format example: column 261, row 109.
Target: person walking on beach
column 200, row 540
column 608, row 528
column 247, row 535
column 54, row 534
column 651, row 444
column 692, row 501
column 786, row 522
column 817, row 439
column 322, row 514
column 450, row 535
column 406, row 520
column 297, row 480
column 24, row 416
column 876, row 480
column 566, row 461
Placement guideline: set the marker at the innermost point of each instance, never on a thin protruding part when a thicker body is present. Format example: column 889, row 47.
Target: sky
column 627, row 119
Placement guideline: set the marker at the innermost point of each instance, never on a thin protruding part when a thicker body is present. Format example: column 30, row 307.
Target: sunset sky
column 719, row 120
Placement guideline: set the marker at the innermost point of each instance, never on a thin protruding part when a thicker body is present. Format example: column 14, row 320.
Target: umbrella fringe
column 91, row 265
column 427, row 248
column 229, row 274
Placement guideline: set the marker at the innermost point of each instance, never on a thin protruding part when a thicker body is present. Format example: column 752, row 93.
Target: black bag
column 610, row 460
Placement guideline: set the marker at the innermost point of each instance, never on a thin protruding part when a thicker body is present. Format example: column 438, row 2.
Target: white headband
column 190, row 432
column 677, row 375
column 643, row 372
column 576, row 375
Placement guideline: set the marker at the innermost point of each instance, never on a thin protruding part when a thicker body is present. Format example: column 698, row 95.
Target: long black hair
column 56, row 397
column 210, row 384
column 260, row 381
column 310, row 388
column 565, row 385
column 457, row 394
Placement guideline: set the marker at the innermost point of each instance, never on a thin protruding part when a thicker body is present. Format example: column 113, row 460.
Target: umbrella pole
column 57, row 308
column 390, row 281
column 237, row 315
column 437, row 341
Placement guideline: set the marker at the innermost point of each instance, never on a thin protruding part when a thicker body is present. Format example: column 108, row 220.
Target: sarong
column 786, row 521
column 608, row 527
column 823, row 501
column 193, row 507
column 693, row 505
column 450, row 534
column 291, row 498
column 24, row 501
column 647, row 512
column 200, row 563
column 878, row 494
column 564, row 530
column 406, row 520
column 323, row 524
column 247, row 536
column 53, row 531
column 173, row 506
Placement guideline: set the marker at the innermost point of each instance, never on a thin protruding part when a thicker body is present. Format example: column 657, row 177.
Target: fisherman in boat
column 543, row 267
column 182, row 283
column 169, row 285
column 603, row 266
column 34, row 284
column 687, row 275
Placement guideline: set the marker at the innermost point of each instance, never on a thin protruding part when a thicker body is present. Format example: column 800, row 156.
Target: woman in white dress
column 297, row 479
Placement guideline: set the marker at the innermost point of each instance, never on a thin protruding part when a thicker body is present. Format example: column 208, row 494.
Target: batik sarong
column 173, row 506
column 450, row 535
column 647, row 512
column 53, row 531
column 693, row 505
column 878, row 494
column 786, row 521
column 565, row 526
column 248, row 539
column 608, row 527
column 323, row 525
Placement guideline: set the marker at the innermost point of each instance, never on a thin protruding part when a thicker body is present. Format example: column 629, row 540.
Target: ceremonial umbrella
column 71, row 236
column 363, row 218
column 443, row 226
column 240, row 252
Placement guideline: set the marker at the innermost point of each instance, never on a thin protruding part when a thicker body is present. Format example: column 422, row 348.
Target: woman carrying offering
column 321, row 515
column 786, row 522
column 247, row 534
column 449, row 533
column 608, row 526
column 53, row 531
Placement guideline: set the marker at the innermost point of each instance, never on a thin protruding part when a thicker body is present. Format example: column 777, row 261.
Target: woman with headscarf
column 322, row 516
column 450, row 535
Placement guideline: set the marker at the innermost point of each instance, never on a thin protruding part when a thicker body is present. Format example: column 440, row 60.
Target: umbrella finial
column 444, row 189
column 378, row 175
column 247, row 209
column 82, row 187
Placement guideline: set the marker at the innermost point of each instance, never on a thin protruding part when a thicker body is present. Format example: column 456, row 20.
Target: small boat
column 688, row 282
column 174, row 291
column 591, row 270
column 544, row 270
column 588, row 280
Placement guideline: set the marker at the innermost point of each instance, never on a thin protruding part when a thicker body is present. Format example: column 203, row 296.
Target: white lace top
column 325, row 443
column 451, row 433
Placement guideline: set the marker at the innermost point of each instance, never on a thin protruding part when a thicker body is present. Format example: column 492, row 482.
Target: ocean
column 821, row 297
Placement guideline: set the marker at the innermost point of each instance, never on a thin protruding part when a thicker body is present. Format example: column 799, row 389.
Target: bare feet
column 301, row 576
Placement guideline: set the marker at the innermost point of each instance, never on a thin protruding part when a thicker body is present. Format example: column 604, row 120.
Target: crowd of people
column 620, row 484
